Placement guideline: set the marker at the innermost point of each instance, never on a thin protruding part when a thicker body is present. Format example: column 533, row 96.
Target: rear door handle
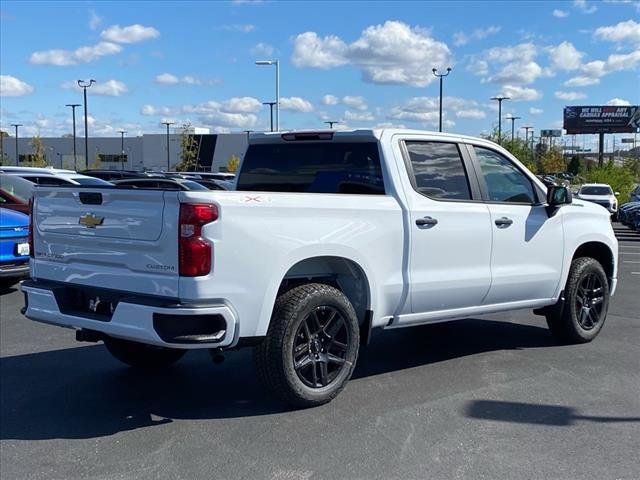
column 426, row 221
column 504, row 222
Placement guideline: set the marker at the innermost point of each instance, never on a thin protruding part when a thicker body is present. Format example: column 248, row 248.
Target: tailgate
column 121, row 239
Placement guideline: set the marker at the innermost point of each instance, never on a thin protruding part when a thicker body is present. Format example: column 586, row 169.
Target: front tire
column 581, row 316
column 311, row 347
column 141, row 355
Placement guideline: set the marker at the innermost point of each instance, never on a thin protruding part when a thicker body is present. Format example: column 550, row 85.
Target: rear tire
column 311, row 347
column 581, row 316
column 141, row 355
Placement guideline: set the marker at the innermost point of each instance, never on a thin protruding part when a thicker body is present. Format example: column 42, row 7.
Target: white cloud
column 461, row 38
column 358, row 116
column 392, row 53
column 520, row 94
column 295, row 104
column 167, row 79
column 262, row 50
column 426, row 110
column 513, row 64
column 591, row 72
column 570, row 96
column 581, row 81
column 628, row 31
column 565, row 56
column 355, row 102
column 13, row 87
column 108, row 88
column 618, row 102
column 129, row 34
column 472, row 113
column 584, row 7
column 560, row 13
column 86, row 54
column 330, row 100
column 241, row 105
column 535, row 111
column 94, row 20
column 243, row 28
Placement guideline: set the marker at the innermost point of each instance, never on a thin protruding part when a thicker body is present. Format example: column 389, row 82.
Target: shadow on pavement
column 535, row 414
column 83, row 393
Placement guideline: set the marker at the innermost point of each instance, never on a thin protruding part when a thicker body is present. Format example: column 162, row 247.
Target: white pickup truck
column 328, row 236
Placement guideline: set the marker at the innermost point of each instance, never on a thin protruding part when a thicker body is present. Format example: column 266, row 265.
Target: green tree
column 552, row 161
column 574, row 165
column 188, row 150
column 518, row 148
column 233, row 164
column 621, row 179
column 37, row 157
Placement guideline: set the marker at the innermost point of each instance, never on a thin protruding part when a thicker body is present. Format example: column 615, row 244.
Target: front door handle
column 426, row 221
column 503, row 222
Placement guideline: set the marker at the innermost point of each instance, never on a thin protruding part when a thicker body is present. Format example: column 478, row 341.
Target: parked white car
column 329, row 236
column 601, row 194
column 53, row 177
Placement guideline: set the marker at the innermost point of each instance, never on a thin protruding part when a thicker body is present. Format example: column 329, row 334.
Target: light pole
column 248, row 132
column 73, row 113
column 84, row 85
column 440, row 76
column 167, row 124
column 16, row 125
column 271, row 104
column 331, row 123
column 277, row 65
column 500, row 99
column 513, row 121
column 122, row 132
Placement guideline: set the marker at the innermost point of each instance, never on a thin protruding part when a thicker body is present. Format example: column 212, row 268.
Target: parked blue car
column 14, row 244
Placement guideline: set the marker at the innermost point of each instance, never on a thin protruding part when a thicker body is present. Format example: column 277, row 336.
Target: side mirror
column 556, row 197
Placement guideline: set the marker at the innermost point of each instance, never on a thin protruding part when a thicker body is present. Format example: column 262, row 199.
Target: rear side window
column 313, row 167
column 50, row 181
column 438, row 170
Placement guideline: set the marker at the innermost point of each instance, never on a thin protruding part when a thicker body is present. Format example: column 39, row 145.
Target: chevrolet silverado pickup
column 328, row 236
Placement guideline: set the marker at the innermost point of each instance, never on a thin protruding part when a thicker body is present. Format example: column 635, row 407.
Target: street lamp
column 73, row 110
column 331, row 123
column 277, row 65
column 271, row 104
column 513, row 121
column 440, row 76
column 84, row 85
column 16, row 125
column 122, row 132
column 500, row 99
column 167, row 124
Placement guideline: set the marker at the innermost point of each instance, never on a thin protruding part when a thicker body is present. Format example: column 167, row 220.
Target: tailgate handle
column 91, row 198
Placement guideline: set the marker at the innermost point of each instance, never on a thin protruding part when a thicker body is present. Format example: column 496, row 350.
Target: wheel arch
column 599, row 251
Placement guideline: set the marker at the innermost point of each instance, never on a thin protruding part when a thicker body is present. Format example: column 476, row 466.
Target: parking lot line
column 629, row 253
column 631, row 261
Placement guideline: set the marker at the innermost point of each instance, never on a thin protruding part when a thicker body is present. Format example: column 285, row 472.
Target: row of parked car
column 629, row 213
column 17, row 184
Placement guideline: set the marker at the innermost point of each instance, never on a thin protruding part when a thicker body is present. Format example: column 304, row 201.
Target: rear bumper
column 139, row 320
column 14, row 270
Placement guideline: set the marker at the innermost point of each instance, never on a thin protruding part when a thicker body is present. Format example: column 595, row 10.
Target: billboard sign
column 601, row 119
column 550, row 133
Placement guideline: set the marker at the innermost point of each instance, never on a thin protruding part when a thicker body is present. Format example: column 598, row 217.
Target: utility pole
column 440, row 76
column 16, row 125
column 168, row 158
column 500, row 99
column 331, row 123
column 84, row 85
column 271, row 104
column 122, row 132
column 73, row 113
column 513, row 121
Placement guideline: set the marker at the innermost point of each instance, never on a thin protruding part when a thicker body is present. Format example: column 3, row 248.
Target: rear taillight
column 194, row 252
column 31, row 251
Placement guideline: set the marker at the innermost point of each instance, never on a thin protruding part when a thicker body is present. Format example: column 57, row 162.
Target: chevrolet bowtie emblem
column 89, row 220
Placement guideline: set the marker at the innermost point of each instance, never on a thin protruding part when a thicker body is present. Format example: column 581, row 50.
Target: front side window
column 312, row 167
column 505, row 183
column 439, row 170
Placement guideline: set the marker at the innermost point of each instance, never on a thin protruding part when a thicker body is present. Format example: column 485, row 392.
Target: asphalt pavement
column 490, row 397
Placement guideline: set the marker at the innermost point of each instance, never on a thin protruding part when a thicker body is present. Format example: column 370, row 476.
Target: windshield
column 16, row 186
column 596, row 191
column 90, row 181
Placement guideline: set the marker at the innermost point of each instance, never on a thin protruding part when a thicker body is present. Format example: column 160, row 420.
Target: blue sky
column 365, row 64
